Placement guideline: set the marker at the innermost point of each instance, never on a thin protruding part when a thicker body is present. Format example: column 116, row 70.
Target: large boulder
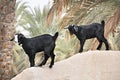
column 91, row 65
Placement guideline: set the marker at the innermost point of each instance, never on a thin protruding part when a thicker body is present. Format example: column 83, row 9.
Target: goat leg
column 44, row 61
column 106, row 43
column 52, row 60
column 31, row 59
column 81, row 45
column 99, row 46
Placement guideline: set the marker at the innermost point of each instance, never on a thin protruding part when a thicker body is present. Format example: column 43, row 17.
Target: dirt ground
column 91, row 65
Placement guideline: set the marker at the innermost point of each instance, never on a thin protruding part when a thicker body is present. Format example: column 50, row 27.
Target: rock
column 91, row 65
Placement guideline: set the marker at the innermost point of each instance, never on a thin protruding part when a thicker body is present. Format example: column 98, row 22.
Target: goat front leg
column 81, row 45
column 31, row 59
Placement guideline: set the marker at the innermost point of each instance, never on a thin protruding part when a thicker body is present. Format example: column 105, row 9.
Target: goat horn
column 17, row 33
column 66, row 28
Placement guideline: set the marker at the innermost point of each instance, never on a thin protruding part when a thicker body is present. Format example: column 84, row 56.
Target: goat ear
column 76, row 28
column 20, row 37
column 72, row 25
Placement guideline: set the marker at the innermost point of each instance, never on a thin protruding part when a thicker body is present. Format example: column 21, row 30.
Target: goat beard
column 19, row 43
column 71, row 33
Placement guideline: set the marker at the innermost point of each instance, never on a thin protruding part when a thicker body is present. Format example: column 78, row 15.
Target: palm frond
column 20, row 7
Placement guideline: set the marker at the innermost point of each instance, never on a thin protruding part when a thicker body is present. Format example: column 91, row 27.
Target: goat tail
column 55, row 36
column 103, row 23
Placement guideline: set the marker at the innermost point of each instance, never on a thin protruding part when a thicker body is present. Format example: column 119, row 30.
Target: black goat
column 33, row 45
column 93, row 30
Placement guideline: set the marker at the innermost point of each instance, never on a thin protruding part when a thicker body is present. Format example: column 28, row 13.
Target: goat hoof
column 50, row 66
column 80, row 51
column 40, row 65
column 98, row 49
column 32, row 66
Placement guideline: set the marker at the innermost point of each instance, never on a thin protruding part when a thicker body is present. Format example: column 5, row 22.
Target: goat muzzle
column 12, row 39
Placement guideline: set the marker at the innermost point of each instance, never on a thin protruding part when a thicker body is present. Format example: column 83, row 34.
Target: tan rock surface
column 91, row 65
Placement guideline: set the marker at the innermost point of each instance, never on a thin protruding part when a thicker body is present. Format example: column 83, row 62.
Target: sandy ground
column 91, row 65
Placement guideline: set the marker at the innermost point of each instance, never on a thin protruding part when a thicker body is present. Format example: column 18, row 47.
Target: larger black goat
column 93, row 30
column 33, row 45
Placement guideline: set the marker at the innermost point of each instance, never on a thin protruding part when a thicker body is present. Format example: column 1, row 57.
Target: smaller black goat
column 33, row 45
column 93, row 30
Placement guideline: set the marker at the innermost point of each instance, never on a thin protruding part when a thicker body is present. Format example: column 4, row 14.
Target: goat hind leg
column 106, row 43
column 45, row 60
column 100, row 45
column 52, row 60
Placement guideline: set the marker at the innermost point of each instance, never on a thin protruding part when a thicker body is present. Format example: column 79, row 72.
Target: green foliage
column 20, row 60
column 65, row 47
column 77, row 12
column 34, row 22
column 19, row 16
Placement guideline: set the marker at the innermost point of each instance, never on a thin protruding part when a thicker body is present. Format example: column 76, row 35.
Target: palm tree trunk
column 7, row 14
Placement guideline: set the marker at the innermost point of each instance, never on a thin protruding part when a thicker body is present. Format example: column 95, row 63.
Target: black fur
column 33, row 45
column 93, row 30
